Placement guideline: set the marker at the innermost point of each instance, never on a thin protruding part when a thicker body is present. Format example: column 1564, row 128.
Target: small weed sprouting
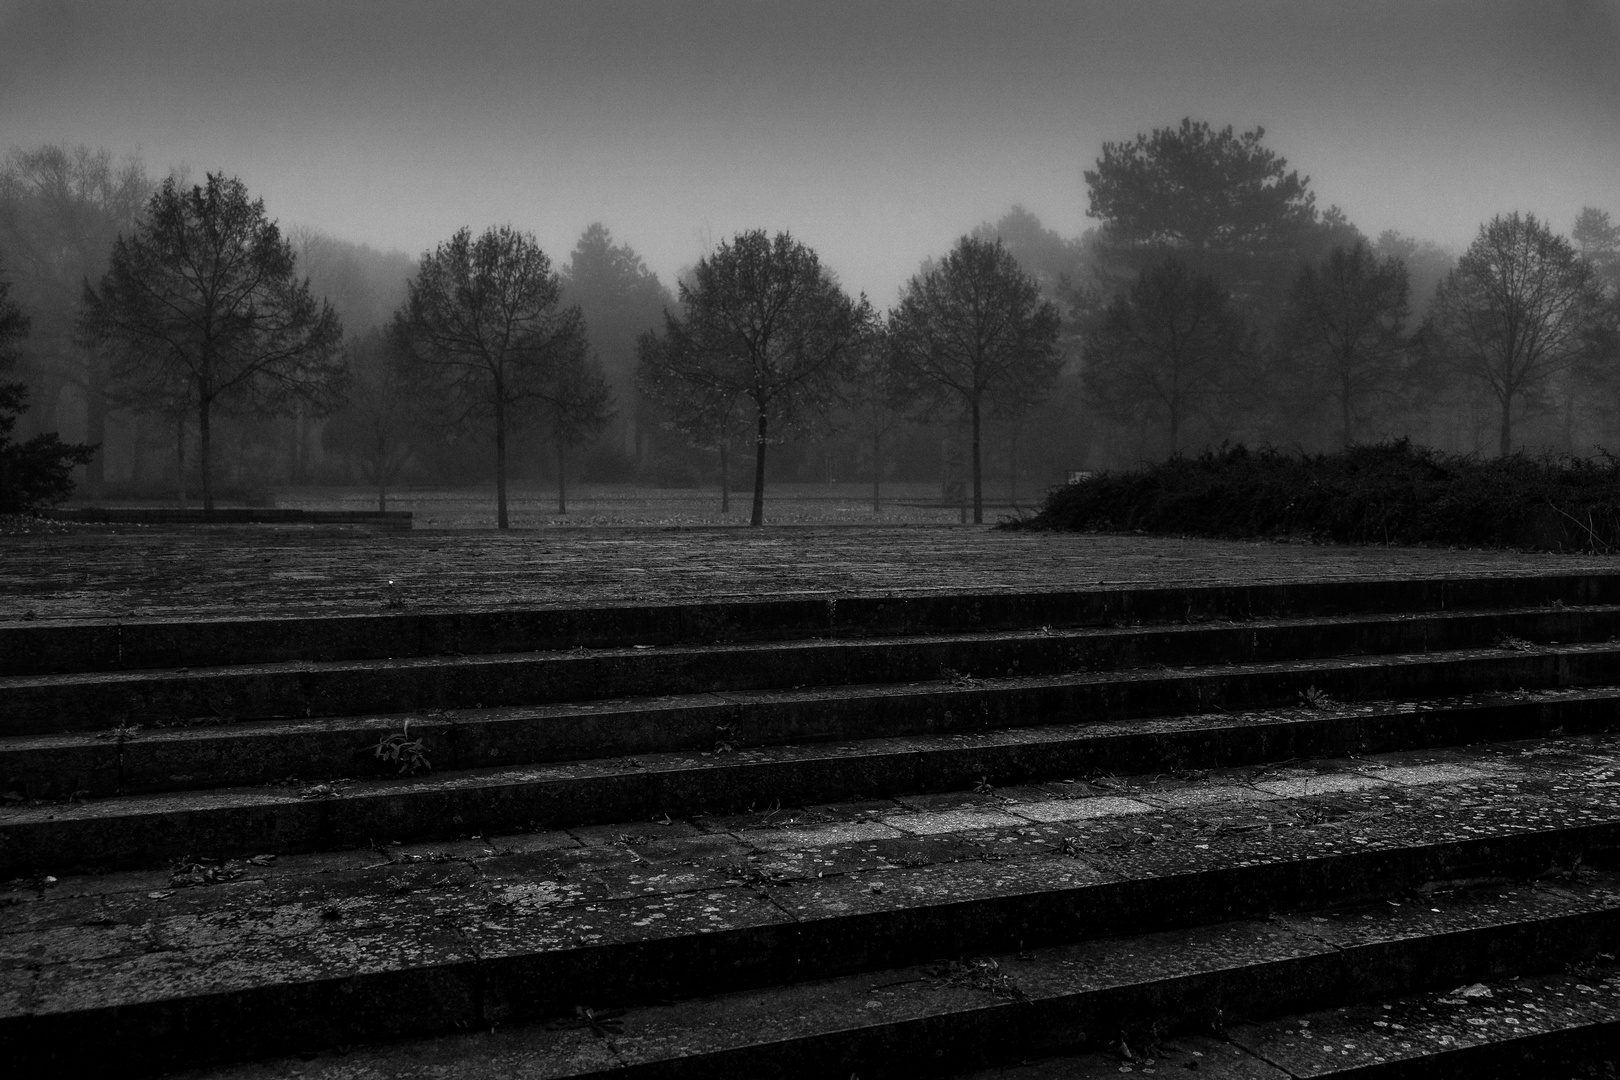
column 1508, row 641
column 187, row 874
column 959, row 679
column 725, row 738
column 400, row 747
column 980, row 973
column 329, row 790
column 602, row 1022
column 1312, row 698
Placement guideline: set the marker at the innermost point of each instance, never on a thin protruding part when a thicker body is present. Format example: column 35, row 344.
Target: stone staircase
column 1332, row 828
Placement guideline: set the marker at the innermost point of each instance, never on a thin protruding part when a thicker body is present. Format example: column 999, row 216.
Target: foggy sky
column 877, row 131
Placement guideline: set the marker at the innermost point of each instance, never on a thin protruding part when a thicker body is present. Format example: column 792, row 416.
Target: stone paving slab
column 219, row 572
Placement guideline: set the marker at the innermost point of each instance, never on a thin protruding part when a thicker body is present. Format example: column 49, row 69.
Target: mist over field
column 1145, row 167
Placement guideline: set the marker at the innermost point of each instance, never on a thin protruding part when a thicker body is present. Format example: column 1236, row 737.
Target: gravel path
column 149, row 572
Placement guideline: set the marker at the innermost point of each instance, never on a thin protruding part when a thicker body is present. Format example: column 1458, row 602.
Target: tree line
column 1227, row 303
column 1213, row 302
column 200, row 312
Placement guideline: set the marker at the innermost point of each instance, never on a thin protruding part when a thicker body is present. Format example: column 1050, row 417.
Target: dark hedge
column 1390, row 493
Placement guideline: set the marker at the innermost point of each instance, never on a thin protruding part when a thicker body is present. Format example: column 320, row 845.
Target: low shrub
column 1390, row 493
column 36, row 473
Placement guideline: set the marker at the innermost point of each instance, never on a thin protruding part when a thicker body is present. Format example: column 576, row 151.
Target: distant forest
column 1212, row 302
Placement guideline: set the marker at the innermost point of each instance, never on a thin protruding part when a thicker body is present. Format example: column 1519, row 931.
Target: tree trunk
column 725, row 477
column 877, row 470
column 1506, row 445
column 180, row 456
column 500, row 462
column 300, row 465
column 978, row 489
column 382, row 475
column 137, row 449
column 562, row 476
column 758, row 518
column 95, row 422
column 1175, row 431
column 1012, row 467
column 203, row 453
column 1344, row 410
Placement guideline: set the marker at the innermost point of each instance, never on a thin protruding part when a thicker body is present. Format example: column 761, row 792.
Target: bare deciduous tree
column 201, row 299
column 373, row 429
column 1519, row 307
column 973, row 332
column 484, row 322
column 761, row 322
column 577, row 402
column 1165, row 350
column 1344, row 327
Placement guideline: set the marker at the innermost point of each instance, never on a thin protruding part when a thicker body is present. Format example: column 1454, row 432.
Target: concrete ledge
column 231, row 515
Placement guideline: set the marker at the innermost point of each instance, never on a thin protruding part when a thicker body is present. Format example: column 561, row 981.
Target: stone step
column 942, row 1018
column 69, row 645
column 42, row 704
column 774, row 748
column 131, row 972
column 134, row 759
column 1544, row 1025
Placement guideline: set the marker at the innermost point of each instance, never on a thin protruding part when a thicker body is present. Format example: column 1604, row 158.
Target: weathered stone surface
column 815, row 835
column 1526, row 1027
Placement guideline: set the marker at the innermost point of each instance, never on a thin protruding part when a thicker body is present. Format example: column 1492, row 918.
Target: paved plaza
column 241, row 570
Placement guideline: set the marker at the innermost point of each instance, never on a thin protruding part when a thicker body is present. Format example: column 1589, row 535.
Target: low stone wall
column 233, row 515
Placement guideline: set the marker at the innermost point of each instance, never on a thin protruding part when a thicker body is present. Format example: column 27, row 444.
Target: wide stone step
column 1547, row 1025
column 52, row 703
column 132, row 971
column 502, row 769
column 963, row 1012
column 75, row 645
column 319, row 812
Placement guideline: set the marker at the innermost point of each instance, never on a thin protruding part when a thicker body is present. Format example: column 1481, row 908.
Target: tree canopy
column 761, row 321
column 39, row 471
column 61, row 208
column 1221, row 201
column 1597, row 238
column 975, row 333
column 201, row 302
column 484, row 324
column 1193, row 187
column 621, row 300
